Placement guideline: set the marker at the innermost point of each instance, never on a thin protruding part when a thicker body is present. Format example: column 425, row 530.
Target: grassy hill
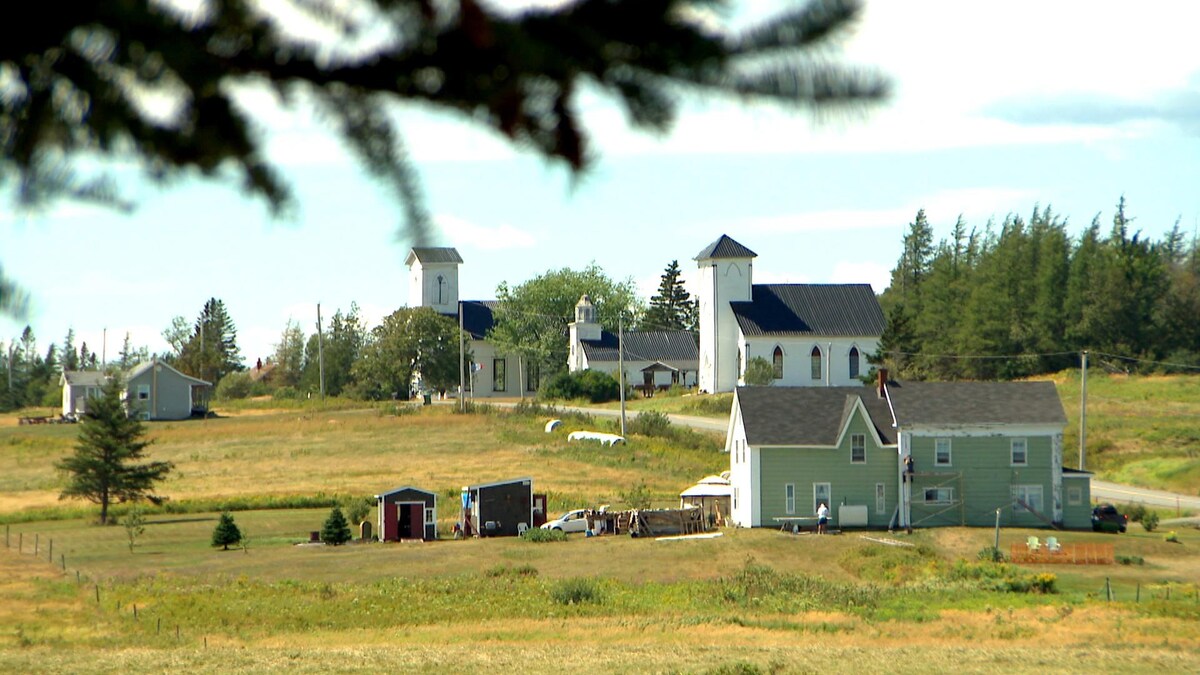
column 749, row 601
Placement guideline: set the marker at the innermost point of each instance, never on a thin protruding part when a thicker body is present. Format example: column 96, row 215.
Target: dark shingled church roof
column 725, row 247
column 653, row 345
column 810, row 309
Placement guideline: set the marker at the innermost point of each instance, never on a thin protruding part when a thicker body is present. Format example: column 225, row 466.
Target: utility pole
column 1083, row 410
column 621, row 366
column 462, row 402
column 320, row 353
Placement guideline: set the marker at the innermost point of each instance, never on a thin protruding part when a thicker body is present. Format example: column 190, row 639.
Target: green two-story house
column 916, row 454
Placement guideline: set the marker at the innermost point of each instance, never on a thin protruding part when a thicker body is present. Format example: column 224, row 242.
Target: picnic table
column 799, row 521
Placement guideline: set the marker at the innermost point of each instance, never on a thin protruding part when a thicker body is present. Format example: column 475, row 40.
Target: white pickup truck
column 571, row 521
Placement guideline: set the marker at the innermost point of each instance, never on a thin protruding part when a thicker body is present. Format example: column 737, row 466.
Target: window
column 939, row 495
column 498, row 375
column 777, row 362
column 858, row 448
column 1027, row 497
column 816, row 364
column 854, row 362
column 789, row 498
column 880, row 499
column 1074, row 496
column 941, row 452
column 821, row 495
column 1020, row 452
column 736, row 494
column 428, row 516
column 143, row 392
column 532, row 373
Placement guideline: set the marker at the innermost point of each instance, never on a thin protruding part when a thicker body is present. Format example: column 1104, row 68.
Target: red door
column 417, row 520
column 390, row 527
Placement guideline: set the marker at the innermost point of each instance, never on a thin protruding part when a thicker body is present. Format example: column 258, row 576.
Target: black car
column 1106, row 518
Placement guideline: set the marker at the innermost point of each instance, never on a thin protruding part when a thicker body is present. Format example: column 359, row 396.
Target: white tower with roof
column 726, row 275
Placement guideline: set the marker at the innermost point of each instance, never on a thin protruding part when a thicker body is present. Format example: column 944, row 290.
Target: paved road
column 1115, row 492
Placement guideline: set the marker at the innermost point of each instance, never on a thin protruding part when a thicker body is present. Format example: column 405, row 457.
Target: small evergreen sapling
column 336, row 530
column 226, row 532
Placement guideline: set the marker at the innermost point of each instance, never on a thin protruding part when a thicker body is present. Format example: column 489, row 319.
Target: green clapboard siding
column 850, row 483
column 981, row 476
column 1078, row 516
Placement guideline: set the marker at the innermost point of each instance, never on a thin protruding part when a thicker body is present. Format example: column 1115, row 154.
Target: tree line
column 1025, row 298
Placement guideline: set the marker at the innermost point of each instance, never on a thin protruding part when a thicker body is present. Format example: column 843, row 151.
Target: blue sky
column 998, row 107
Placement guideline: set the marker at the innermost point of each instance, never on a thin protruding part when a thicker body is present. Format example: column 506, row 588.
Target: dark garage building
column 407, row 513
column 498, row 509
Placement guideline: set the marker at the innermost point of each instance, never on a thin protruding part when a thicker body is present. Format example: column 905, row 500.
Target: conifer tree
column 672, row 307
column 226, row 533
column 336, row 530
column 105, row 467
column 70, row 357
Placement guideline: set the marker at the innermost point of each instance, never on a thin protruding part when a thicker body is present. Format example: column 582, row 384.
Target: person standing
column 822, row 517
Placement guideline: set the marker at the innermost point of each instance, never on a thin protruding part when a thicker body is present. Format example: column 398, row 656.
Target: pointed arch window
column 854, row 362
column 777, row 362
column 816, row 364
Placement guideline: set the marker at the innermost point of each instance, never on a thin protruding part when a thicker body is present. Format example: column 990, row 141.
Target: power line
column 981, row 356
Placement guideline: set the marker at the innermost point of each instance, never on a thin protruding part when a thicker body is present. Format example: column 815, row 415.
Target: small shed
column 712, row 495
column 498, row 509
column 1077, row 502
column 407, row 513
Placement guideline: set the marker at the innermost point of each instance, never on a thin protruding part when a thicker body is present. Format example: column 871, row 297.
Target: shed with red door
column 407, row 513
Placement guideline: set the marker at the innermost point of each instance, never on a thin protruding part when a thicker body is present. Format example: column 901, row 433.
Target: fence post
column 50, row 553
column 1138, row 597
column 37, row 537
column 1168, row 592
column 1107, row 589
column 158, row 627
column 6, row 544
column 135, row 618
column 20, row 542
column 62, row 559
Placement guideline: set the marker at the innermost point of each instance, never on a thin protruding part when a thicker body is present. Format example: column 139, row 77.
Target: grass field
column 749, row 601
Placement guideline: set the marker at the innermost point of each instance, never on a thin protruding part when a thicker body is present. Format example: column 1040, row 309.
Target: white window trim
column 828, row 496
column 789, row 498
column 143, row 392
column 1022, row 492
column 864, row 449
column 949, row 452
column 428, row 516
column 948, row 491
column 1012, row 452
column 1074, row 495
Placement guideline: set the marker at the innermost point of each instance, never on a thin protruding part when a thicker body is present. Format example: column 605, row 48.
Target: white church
column 814, row 335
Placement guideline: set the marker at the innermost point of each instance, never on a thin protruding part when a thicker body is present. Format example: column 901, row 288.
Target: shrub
column 234, row 386
column 539, row 536
column 577, row 591
column 1136, row 512
column 1150, row 521
column 1171, row 537
column 1130, row 560
column 759, row 371
column 286, row 393
column 358, row 508
column 991, row 554
column 593, row 385
column 650, row 423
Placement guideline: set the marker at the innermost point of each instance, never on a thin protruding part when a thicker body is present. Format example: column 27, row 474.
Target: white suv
column 571, row 521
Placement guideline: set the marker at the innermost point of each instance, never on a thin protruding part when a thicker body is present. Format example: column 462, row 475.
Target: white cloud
column 879, row 276
column 467, row 234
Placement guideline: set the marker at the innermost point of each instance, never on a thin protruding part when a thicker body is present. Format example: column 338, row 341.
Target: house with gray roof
column 653, row 359
column 900, row 455
column 814, row 335
column 153, row 391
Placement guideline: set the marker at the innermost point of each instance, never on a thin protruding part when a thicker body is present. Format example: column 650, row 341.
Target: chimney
column 883, row 380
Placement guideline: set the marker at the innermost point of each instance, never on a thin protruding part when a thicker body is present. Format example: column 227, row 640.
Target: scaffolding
column 937, row 479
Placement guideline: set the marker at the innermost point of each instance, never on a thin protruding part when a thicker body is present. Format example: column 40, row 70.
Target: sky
column 997, row 107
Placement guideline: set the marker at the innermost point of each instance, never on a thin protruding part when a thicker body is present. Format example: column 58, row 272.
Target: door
column 417, row 520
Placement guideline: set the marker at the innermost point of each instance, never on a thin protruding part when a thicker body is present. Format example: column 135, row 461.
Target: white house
column 815, row 335
column 653, row 359
column 433, row 282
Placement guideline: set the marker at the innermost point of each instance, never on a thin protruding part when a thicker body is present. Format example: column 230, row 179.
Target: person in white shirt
column 822, row 517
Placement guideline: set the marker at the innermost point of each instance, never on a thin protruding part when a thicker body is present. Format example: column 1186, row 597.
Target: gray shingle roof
column 85, row 378
column 651, row 345
column 954, row 403
column 803, row 416
column 433, row 254
column 808, row 415
column 725, row 247
column 810, row 309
